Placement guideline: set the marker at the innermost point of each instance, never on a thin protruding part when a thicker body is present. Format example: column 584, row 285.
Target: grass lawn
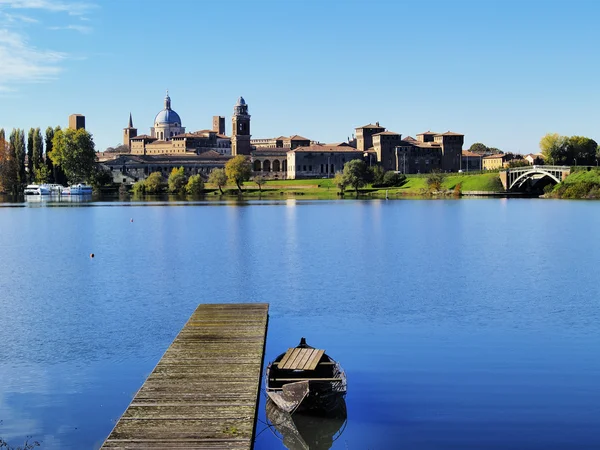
column 325, row 188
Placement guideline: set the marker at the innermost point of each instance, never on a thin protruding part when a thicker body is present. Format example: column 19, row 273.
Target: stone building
column 471, row 161
column 320, row 161
column 270, row 162
column 76, row 121
column 129, row 132
column 288, row 142
column 127, row 168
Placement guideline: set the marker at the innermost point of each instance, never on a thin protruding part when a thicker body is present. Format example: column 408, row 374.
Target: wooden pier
column 203, row 393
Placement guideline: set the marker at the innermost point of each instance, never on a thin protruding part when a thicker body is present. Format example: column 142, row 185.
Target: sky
column 501, row 72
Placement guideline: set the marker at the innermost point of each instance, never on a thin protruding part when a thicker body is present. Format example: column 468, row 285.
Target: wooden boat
column 305, row 379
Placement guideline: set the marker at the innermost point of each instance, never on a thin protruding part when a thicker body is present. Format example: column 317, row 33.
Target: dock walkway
column 203, row 393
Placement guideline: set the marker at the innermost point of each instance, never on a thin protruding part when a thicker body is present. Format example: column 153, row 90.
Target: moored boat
column 305, row 379
column 37, row 189
column 80, row 189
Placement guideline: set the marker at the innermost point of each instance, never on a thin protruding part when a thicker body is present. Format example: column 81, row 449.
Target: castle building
column 430, row 151
column 240, row 130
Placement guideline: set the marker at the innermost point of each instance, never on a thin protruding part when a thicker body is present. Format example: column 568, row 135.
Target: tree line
column 57, row 156
column 569, row 150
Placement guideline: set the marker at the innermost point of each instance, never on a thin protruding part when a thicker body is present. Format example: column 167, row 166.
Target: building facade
column 364, row 135
column 471, row 161
column 319, row 161
column 129, row 133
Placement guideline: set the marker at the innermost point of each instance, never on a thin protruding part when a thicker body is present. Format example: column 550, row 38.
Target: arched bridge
column 519, row 177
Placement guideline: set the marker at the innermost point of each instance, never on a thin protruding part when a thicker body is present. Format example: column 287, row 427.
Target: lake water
column 461, row 324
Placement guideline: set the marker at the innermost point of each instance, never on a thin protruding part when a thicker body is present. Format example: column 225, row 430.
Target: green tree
column 394, row 179
column 340, row 181
column 356, row 174
column 581, row 150
column 376, row 174
column 139, row 188
column 73, row 151
column 99, row 177
column 517, row 163
column 17, row 149
column 153, row 183
column 47, row 160
column 479, row 148
column 218, row 178
column 195, row 185
column 177, row 181
column 38, row 152
column 238, row 169
column 434, row 180
column 259, row 180
column 554, row 148
column 30, row 157
column 41, row 175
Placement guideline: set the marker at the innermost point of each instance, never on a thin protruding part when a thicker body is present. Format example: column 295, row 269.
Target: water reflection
column 307, row 432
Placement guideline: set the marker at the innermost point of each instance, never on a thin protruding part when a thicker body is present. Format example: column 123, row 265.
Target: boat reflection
column 303, row 432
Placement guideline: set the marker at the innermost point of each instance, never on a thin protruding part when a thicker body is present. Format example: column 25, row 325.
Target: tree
column 356, row 174
column 30, row 174
column 434, row 180
column 17, row 149
column 394, row 179
column 238, row 169
column 38, row 152
column 554, row 148
column 153, row 184
column 73, row 151
column 51, row 169
column 118, row 149
column 479, row 148
column 139, row 188
column 340, row 181
column 376, row 174
column 100, row 176
column 218, row 178
column 581, row 150
column 177, row 181
column 195, row 185
column 517, row 163
column 259, row 180
column 8, row 167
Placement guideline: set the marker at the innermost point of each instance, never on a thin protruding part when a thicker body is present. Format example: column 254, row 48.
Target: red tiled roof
column 371, row 126
column 325, row 148
column 449, row 133
column 386, row 133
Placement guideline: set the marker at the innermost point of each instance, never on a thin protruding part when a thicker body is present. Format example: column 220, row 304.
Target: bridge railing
column 535, row 167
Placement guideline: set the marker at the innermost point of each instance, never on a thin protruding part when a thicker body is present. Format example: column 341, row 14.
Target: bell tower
column 240, row 130
column 129, row 132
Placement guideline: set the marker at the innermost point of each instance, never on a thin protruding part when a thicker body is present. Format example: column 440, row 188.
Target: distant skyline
column 501, row 72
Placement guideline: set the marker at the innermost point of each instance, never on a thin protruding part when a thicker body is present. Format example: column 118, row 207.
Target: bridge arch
column 522, row 178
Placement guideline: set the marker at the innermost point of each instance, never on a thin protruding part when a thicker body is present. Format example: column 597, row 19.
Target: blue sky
column 502, row 72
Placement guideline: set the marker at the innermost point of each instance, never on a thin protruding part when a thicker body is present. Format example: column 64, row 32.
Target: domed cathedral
column 167, row 123
column 240, row 130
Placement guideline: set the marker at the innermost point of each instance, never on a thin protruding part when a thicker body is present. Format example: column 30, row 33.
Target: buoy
column 131, row 220
column 91, row 255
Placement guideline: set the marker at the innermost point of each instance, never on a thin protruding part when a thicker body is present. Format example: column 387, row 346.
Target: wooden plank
column 287, row 355
column 312, row 364
column 293, row 361
column 203, row 393
column 305, row 357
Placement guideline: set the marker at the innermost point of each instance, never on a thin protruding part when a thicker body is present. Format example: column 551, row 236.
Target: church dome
column 167, row 115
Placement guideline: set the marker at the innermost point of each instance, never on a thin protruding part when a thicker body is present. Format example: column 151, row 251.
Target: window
column 304, row 168
column 310, row 168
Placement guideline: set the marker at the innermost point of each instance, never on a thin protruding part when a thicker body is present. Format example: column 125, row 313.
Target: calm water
column 461, row 324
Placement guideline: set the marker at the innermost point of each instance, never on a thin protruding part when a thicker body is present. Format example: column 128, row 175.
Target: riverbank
column 582, row 183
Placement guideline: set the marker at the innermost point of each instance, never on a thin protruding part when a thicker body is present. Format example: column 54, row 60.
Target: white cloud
column 81, row 28
column 23, row 63
column 71, row 8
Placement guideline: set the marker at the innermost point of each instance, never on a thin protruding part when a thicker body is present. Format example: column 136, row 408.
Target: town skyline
column 486, row 70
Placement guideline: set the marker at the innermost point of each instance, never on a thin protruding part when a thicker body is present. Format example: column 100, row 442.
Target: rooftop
column 326, row 148
column 371, row 126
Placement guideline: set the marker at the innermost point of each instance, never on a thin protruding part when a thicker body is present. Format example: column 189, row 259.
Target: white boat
column 56, row 189
column 80, row 189
column 65, row 191
column 37, row 189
